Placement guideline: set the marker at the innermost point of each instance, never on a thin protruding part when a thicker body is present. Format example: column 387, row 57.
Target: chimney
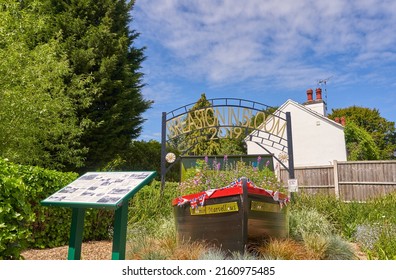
column 318, row 105
column 318, row 94
column 343, row 121
column 309, row 94
column 337, row 120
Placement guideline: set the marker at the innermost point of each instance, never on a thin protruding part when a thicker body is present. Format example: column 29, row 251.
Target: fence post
column 336, row 186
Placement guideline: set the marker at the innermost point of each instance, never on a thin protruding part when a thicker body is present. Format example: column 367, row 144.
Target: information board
column 100, row 189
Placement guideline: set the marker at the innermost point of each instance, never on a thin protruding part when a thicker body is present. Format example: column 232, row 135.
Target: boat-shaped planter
column 232, row 216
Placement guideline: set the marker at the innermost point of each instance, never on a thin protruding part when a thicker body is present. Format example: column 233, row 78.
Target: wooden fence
column 347, row 180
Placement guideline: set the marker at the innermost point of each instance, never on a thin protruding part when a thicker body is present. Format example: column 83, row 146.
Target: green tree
column 38, row 121
column 199, row 139
column 143, row 156
column 99, row 44
column 360, row 145
column 382, row 131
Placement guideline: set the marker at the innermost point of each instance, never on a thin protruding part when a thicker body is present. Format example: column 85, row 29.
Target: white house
column 317, row 140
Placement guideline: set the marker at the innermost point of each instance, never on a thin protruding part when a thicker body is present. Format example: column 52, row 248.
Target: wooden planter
column 232, row 216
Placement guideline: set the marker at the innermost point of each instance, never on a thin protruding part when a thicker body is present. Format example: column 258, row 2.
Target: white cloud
column 289, row 42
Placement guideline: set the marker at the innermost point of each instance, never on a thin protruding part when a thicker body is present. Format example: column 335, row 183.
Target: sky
column 267, row 51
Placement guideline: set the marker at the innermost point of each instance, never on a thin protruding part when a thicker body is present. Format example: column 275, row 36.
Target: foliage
column 382, row 131
column 360, row 145
column 15, row 213
column 318, row 234
column 198, row 139
column 70, row 93
column 38, row 120
column 283, row 249
column 27, row 224
column 309, row 221
column 233, row 146
column 152, row 202
column 99, row 45
column 204, row 177
column 143, row 156
column 372, row 224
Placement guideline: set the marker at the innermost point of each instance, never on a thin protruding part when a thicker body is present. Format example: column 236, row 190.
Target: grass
column 321, row 228
column 371, row 224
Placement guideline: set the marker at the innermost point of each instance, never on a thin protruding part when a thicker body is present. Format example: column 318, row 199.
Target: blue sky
column 267, row 51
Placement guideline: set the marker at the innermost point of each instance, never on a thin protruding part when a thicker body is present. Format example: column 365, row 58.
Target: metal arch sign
column 224, row 122
column 228, row 118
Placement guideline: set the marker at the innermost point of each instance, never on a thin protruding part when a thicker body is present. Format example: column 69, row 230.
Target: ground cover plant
column 370, row 224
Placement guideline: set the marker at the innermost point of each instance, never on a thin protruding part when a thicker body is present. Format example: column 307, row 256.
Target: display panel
column 100, row 189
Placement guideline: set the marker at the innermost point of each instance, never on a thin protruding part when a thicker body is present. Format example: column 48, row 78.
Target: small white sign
column 292, row 185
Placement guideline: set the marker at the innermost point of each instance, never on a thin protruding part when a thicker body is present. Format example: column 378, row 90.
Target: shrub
column 308, row 221
column 339, row 249
column 25, row 223
column 15, row 213
column 151, row 203
column 283, row 249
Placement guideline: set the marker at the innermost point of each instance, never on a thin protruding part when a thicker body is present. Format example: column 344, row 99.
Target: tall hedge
column 15, row 213
column 25, row 223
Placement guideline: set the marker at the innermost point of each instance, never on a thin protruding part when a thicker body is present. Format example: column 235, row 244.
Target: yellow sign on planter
column 215, row 209
column 264, row 207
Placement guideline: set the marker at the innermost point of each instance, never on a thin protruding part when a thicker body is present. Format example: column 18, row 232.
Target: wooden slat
column 350, row 180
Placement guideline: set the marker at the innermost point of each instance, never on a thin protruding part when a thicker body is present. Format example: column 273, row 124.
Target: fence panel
column 362, row 180
column 313, row 179
column 356, row 180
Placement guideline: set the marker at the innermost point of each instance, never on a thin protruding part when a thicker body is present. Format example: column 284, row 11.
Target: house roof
column 309, row 111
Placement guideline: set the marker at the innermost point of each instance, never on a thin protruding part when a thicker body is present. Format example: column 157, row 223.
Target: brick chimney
column 309, row 95
column 318, row 105
column 343, row 121
column 318, row 94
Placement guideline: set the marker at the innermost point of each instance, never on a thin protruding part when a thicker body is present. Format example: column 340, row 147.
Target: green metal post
column 76, row 234
column 120, row 232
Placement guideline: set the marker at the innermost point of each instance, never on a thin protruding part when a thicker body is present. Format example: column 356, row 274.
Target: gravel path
column 93, row 250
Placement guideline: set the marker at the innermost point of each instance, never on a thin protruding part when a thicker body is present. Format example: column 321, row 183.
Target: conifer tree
column 98, row 40
column 199, row 139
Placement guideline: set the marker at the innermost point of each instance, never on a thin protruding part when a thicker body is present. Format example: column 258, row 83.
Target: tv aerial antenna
column 323, row 82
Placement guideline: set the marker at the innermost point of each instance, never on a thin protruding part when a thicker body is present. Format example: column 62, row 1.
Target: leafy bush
column 151, row 203
column 15, row 213
column 308, row 221
column 25, row 223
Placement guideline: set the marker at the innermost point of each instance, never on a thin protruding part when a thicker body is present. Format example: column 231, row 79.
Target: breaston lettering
column 212, row 117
